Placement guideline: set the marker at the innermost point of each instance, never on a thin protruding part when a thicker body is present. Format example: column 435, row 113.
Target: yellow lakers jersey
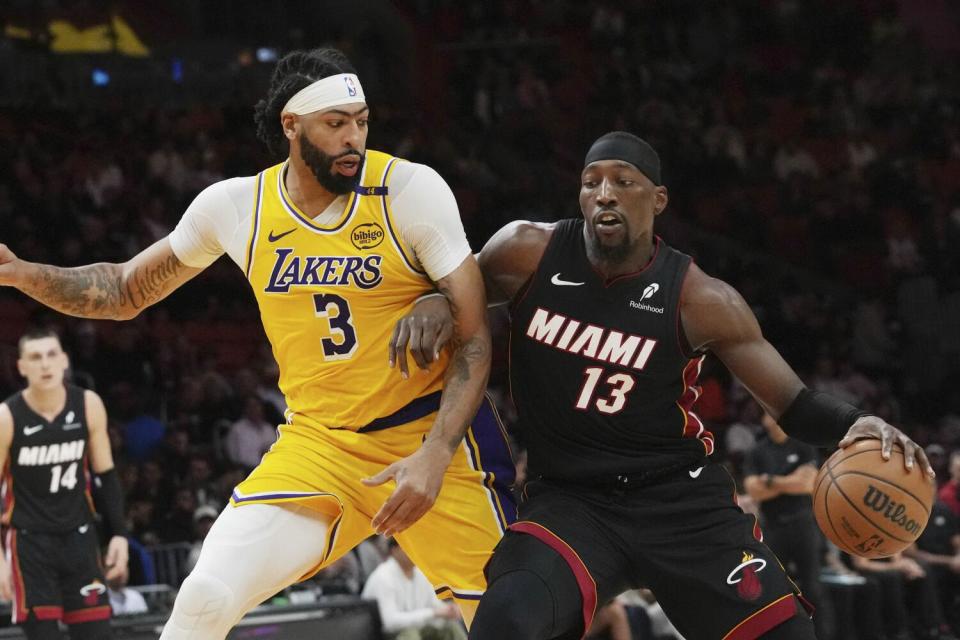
column 329, row 298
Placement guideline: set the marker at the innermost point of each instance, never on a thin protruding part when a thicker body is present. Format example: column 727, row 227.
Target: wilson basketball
column 870, row 507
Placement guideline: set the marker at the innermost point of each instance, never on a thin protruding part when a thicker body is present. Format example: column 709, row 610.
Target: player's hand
column 447, row 611
column 6, row 581
column 425, row 330
column 118, row 554
column 911, row 569
column 955, row 563
column 8, row 266
column 874, row 427
column 419, row 477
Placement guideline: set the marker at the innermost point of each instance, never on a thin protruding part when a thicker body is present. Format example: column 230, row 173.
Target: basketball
column 870, row 507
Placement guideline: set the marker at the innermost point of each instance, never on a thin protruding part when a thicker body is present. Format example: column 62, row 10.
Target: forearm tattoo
column 465, row 378
column 101, row 290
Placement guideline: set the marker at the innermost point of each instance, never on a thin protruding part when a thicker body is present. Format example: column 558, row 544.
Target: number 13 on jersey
column 343, row 335
column 611, row 399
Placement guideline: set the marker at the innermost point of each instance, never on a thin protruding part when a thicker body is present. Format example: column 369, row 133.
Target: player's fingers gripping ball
column 868, row 506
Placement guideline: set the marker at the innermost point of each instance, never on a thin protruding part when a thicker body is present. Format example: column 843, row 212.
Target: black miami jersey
column 598, row 371
column 46, row 479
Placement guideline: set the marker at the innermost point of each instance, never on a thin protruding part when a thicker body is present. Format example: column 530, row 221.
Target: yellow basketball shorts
column 322, row 467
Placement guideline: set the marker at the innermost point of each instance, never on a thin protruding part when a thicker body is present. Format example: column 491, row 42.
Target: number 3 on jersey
column 343, row 340
column 620, row 386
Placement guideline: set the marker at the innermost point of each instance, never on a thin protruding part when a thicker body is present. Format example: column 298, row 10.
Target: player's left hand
column 427, row 327
column 874, row 427
column 118, row 554
column 419, row 477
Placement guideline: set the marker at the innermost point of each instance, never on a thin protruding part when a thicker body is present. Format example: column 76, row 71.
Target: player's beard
column 321, row 165
column 610, row 253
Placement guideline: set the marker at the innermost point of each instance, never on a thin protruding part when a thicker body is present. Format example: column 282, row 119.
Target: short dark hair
column 36, row 334
column 293, row 72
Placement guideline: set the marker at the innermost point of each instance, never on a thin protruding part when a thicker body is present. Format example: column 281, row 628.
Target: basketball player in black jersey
column 52, row 435
column 609, row 327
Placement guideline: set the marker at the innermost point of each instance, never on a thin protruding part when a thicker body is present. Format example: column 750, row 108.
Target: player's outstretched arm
column 716, row 318
column 420, row 476
column 108, row 494
column 108, row 291
column 6, row 439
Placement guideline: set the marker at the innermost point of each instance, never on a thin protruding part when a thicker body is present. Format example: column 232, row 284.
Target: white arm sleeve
column 216, row 222
column 427, row 219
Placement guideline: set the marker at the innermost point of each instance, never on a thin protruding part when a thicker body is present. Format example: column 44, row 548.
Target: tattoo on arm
column 101, row 290
column 466, row 377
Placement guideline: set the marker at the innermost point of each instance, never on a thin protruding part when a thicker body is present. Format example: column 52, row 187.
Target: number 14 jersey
column 46, row 484
column 600, row 380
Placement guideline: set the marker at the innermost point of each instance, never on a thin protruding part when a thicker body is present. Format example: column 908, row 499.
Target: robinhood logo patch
column 367, row 236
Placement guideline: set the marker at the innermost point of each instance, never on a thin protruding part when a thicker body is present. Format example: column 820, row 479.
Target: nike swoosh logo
column 564, row 283
column 696, row 473
column 274, row 238
column 29, row 431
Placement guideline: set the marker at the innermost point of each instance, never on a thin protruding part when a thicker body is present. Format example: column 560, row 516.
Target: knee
column 516, row 605
column 204, row 609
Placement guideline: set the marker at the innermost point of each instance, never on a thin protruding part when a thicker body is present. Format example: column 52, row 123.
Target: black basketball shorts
column 683, row 537
column 57, row 576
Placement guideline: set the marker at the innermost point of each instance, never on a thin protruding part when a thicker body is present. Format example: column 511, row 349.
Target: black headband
column 620, row 145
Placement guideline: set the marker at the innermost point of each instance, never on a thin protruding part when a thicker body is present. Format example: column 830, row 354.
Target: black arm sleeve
column 819, row 419
column 108, row 496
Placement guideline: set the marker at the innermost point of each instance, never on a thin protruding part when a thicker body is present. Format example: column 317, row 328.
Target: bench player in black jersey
column 609, row 328
column 52, row 436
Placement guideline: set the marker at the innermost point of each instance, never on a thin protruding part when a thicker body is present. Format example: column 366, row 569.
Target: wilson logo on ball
column 892, row 511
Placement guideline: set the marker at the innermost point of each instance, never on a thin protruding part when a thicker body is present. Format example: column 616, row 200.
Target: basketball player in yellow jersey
column 338, row 243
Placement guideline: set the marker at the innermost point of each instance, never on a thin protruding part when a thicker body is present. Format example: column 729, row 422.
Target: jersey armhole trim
column 388, row 220
column 255, row 225
column 683, row 344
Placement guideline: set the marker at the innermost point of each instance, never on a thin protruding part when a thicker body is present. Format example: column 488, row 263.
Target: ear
column 291, row 125
column 20, row 367
column 660, row 199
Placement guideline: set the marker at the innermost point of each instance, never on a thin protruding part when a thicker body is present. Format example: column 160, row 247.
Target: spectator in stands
column 779, row 474
column 909, row 596
column 409, row 608
column 949, row 493
column 123, row 600
column 938, row 548
column 203, row 519
column 250, row 436
column 177, row 525
column 610, row 622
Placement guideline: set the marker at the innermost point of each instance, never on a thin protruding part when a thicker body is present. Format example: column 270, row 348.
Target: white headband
column 327, row 92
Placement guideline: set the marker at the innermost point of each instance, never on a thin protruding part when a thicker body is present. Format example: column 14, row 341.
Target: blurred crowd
column 811, row 150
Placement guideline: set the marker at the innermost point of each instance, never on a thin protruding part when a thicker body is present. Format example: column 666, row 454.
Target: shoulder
column 713, row 312
column 6, row 415
column 232, row 192
column 412, row 179
column 94, row 407
column 520, row 235
column 699, row 288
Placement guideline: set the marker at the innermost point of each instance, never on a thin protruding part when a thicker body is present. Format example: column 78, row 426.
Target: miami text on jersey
column 330, row 271
column 51, row 454
column 589, row 340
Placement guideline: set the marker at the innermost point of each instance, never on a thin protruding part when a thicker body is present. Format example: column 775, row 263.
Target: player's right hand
column 8, row 262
